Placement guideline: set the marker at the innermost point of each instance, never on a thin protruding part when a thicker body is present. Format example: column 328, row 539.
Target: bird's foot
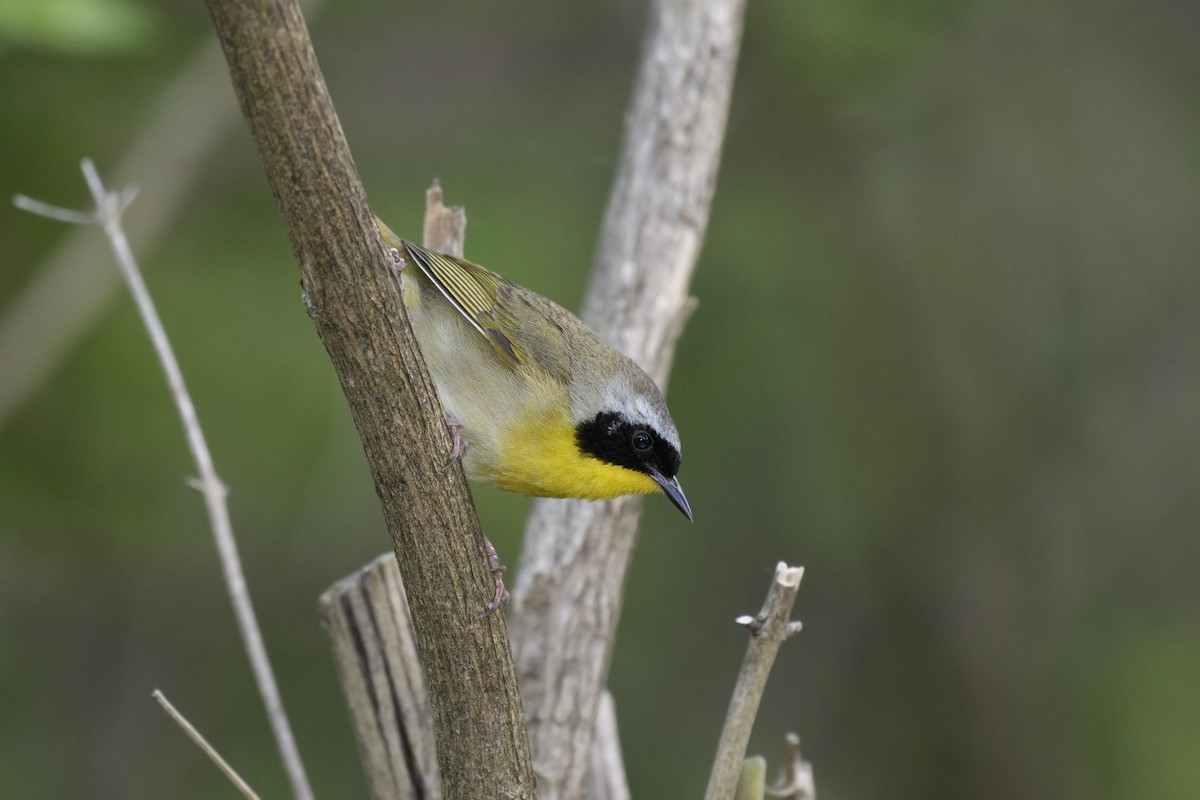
column 500, row 598
column 398, row 262
column 459, row 444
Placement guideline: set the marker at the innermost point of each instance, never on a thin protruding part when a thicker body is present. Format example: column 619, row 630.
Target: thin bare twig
column 767, row 631
column 445, row 228
column 203, row 744
column 109, row 206
column 40, row 323
column 795, row 776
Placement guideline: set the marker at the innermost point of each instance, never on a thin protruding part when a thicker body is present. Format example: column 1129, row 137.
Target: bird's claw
column 500, row 598
column 460, row 445
column 398, row 262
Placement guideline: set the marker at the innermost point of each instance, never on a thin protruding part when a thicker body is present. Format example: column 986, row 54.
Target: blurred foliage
column 77, row 27
column 944, row 358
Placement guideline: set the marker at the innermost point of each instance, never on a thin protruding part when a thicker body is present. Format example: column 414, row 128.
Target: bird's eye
column 641, row 441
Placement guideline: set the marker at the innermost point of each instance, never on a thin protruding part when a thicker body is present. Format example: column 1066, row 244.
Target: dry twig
column 796, row 775
column 107, row 215
column 767, row 632
column 203, row 744
column 66, row 295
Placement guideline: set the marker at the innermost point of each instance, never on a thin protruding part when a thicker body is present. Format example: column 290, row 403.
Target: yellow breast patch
column 541, row 459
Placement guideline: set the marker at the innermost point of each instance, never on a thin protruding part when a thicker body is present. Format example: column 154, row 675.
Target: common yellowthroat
column 545, row 407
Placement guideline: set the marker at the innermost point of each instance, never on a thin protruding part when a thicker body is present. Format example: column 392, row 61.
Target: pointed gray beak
column 674, row 493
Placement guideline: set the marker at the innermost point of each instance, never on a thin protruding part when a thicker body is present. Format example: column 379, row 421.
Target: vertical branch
column 575, row 556
column 608, row 767
column 354, row 300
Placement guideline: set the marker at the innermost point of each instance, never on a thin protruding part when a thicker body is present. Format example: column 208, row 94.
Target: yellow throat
column 542, row 459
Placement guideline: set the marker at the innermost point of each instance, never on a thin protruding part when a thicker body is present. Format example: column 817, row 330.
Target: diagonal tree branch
column 354, row 299
column 371, row 631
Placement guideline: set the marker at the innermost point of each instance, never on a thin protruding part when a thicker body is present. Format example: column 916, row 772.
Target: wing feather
column 474, row 291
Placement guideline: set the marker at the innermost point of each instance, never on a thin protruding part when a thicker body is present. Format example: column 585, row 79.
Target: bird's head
column 633, row 429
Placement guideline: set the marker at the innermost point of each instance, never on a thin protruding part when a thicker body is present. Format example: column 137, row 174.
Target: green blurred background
column 946, row 357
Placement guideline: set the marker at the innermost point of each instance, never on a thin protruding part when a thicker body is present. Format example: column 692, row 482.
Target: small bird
column 537, row 403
